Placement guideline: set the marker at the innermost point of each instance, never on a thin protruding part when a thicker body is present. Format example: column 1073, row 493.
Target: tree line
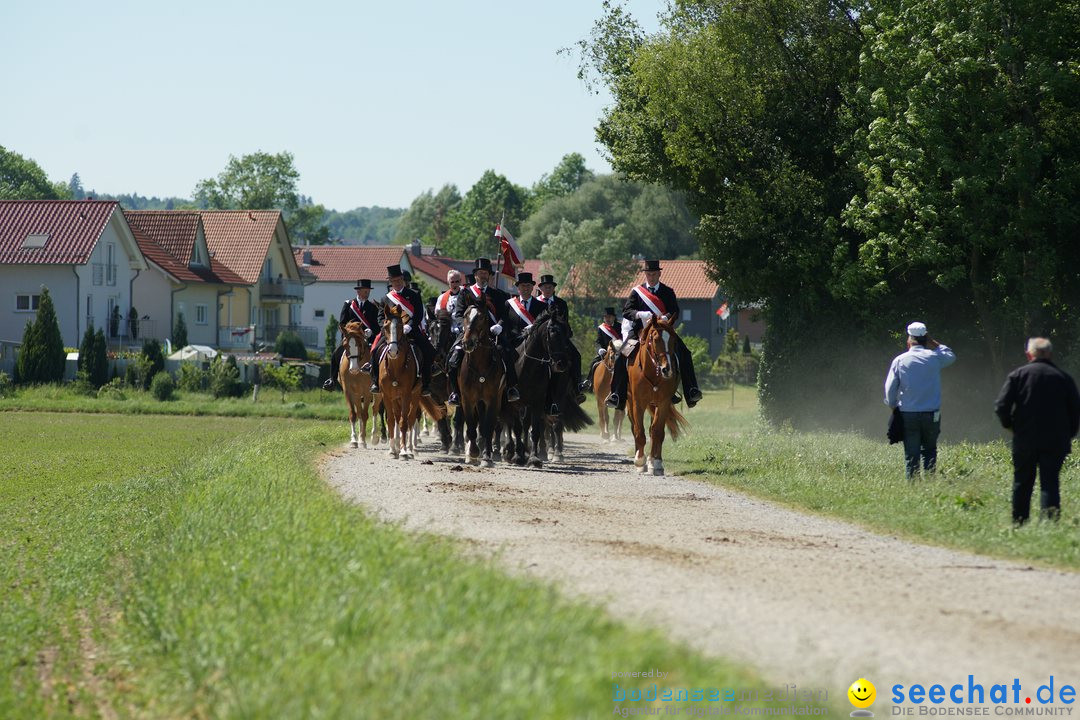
column 856, row 165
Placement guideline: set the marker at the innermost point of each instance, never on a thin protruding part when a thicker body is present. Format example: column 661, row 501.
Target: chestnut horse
column 601, row 382
column 355, row 383
column 399, row 385
column 653, row 380
column 480, row 378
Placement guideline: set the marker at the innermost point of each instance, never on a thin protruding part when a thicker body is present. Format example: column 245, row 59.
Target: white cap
column 916, row 329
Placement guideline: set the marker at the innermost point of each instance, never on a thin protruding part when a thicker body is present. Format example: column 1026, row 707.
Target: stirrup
column 585, row 386
column 366, row 367
column 612, row 401
column 512, row 394
column 453, row 399
column 425, row 391
column 375, row 388
column 328, row 384
column 554, row 411
column 676, row 398
column 693, row 395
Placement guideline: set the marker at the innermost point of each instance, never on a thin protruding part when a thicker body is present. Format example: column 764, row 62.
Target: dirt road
column 801, row 598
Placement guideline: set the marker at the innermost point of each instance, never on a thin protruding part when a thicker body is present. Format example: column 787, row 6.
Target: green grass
column 306, row 404
column 199, row 567
column 966, row 505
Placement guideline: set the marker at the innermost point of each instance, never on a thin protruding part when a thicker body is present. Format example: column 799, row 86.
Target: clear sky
column 377, row 101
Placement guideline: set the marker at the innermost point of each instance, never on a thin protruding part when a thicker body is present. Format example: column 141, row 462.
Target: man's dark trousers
column 1049, row 466
column 921, row 432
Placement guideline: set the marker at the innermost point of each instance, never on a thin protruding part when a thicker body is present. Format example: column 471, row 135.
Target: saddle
column 412, row 349
column 626, row 348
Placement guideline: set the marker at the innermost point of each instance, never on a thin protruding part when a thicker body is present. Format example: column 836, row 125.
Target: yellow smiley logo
column 862, row 693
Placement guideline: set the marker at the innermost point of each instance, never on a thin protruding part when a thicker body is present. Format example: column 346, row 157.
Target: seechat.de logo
column 862, row 694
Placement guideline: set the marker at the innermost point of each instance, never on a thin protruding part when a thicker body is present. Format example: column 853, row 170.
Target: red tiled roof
column 73, row 227
column 431, row 266
column 174, row 230
column 348, row 263
column 156, row 252
column 688, row 278
column 240, row 239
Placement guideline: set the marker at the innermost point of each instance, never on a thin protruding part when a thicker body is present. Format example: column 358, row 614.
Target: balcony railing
column 281, row 289
column 237, row 336
column 309, row 335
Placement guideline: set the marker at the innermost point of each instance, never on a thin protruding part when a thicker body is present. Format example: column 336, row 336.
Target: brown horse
column 601, row 382
column 355, row 383
column 652, row 383
column 481, row 379
column 400, row 386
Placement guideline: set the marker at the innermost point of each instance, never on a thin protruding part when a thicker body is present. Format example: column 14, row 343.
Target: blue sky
column 377, row 101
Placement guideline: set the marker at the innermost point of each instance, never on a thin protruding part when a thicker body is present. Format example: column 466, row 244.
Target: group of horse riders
column 512, row 318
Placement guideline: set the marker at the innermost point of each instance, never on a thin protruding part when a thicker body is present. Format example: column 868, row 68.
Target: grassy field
column 967, row 504
column 198, row 567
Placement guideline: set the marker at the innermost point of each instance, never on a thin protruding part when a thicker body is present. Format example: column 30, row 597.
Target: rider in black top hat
column 548, row 298
column 645, row 301
column 497, row 298
column 605, row 333
column 522, row 310
column 360, row 310
column 410, row 301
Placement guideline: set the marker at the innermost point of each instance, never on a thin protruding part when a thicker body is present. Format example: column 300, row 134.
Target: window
column 200, row 314
column 99, row 273
column 27, row 302
column 686, row 315
column 35, row 241
column 320, row 314
column 110, row 264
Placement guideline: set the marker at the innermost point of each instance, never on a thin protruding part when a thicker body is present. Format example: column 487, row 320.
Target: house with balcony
column 333, row 271
column 183, row 278
column 83, row 251
column 254, row 245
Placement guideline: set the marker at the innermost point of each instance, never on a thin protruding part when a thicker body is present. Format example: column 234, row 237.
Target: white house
column 183, row 278
column 332, row 272
column 83, row 251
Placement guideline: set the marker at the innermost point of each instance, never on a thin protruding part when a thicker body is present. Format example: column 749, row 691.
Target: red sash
column 655, row 304
column 609, row 331
column 487, row 301
column 355, row 307
column 376, row 341
column 401, row 302
column 522, row 312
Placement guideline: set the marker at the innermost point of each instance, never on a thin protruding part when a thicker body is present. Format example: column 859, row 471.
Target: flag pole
column 498, row 275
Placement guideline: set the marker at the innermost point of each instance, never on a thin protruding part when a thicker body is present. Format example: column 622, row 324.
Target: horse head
column 393, row 320
column 554, row 337
column 658, row 336
column 356, row 344
column 477, row 323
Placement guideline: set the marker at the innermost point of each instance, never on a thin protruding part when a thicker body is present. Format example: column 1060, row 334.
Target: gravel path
column 800, row 597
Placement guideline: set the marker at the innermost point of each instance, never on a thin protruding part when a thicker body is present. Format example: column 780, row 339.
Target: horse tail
column 574, row 417
column 435, row 411
column 676, row 423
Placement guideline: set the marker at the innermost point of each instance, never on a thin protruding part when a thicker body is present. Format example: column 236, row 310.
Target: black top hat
column 652, row 264
column 547, row 280
column 609, row 311
column 525, row 277
column 414, row 286
column 482, row 264
column 407, row 275
column 361, row 284
column 393, row 271
column 469, row 280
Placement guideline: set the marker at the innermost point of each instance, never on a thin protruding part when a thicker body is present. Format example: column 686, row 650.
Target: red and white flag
column 723, row 311
column 513, row 258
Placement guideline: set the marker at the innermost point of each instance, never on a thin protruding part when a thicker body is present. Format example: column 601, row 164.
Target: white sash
column 519, row 308
column 655, row 304
column 480, row 294
column 355, row 307
column 401, row 303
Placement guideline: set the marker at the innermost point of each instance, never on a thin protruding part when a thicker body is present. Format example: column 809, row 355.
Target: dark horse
column 442, row 339
column 481, row 378
column 547, row 398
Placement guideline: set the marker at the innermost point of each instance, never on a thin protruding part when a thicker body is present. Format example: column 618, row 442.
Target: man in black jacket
column 652, row 298
column 409, row 301
column 360, row 310
column 1040, row 404
column 605, row 333
column 549, row 300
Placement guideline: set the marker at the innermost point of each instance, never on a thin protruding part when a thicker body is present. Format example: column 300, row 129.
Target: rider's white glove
column 407, row 328
column 367, row 332
column 644, row 315
column 496, row 329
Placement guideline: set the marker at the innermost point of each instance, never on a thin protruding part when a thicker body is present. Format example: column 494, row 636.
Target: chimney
column 416, row 249
column 306, row 258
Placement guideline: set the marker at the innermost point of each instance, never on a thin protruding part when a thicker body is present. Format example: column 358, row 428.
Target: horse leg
column 537, row 424
column 558, row 438
column 619, row 417
column 657, row 432
column 473, row 451
column 637, row 425
column 352, row 425
column 602, row 417
column 487, row 431
column 459, row 431
column 444, row 434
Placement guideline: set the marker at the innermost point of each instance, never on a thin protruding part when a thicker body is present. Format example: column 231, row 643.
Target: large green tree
column 427, row 218
column 472, row 223
column 592, row 261
column 23, row 179
column 970, row 152
column 570, row 174
column 265, row 181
